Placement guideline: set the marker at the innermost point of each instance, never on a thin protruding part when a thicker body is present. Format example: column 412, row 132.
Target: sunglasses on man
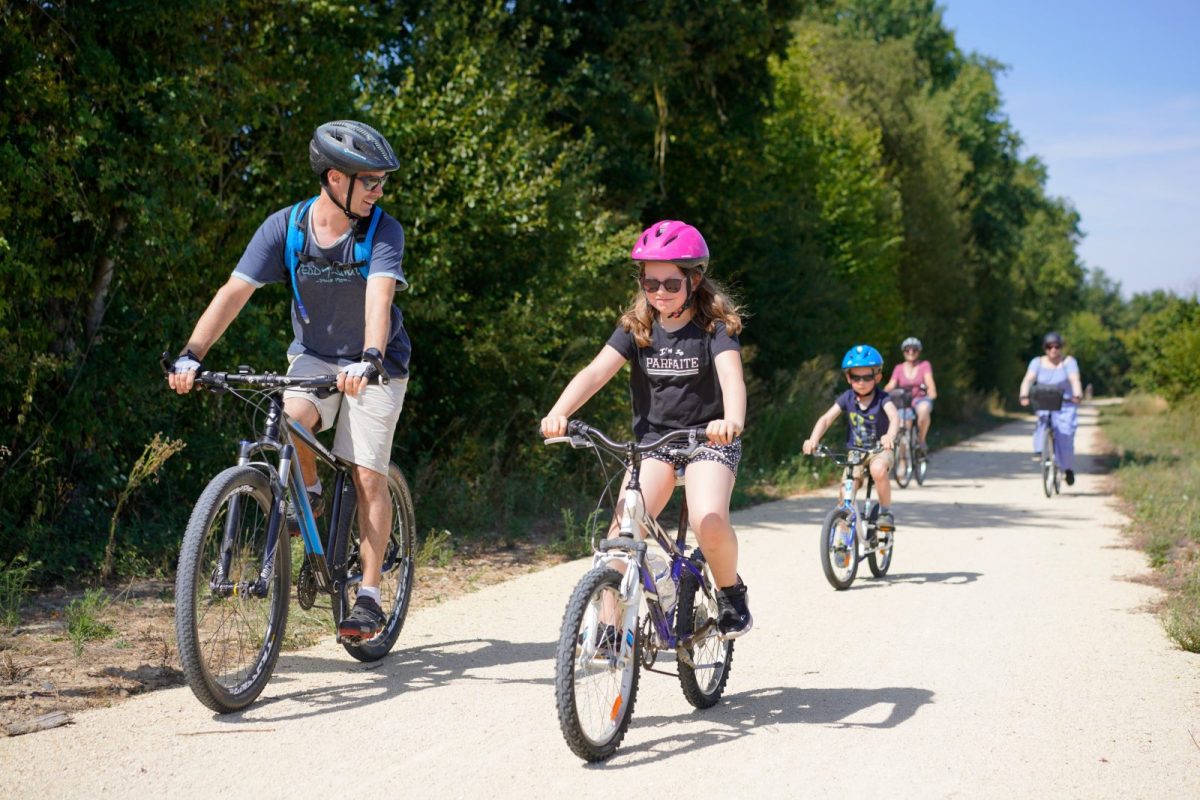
column 372, row 182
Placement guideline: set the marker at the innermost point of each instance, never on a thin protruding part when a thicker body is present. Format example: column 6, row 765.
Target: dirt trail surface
column 1009, row 654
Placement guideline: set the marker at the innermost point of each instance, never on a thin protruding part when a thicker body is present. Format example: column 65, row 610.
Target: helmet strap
column 354, row 218
column 687, row 302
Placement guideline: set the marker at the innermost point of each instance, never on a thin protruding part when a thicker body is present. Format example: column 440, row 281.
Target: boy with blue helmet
column 872, row 419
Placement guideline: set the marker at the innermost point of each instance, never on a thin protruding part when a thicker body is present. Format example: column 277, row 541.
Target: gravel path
column 1009, row 654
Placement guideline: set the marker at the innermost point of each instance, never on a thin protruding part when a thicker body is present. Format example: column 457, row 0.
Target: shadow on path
column 751, row 712
column 402, row 671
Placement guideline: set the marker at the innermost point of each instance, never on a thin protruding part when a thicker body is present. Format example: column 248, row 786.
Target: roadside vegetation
column 1158, row 475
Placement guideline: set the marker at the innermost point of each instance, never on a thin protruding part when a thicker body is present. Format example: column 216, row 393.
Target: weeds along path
column 1010, row 653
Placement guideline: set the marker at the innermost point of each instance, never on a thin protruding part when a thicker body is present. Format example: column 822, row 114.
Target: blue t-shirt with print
column 865, row 424
column 333, row 294
column 673, row 383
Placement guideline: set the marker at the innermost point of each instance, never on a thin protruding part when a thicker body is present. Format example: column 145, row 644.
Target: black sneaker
column 608, row 642
column 317, row 501
column 365, row 620
column 1070, row 477
column 733, row 612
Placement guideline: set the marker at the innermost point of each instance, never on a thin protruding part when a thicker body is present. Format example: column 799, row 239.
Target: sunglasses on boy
column 372, row 182
column 861, row 377
column 672, row 285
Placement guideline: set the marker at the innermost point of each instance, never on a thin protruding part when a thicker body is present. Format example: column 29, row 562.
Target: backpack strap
column 363, row 243
column 297, row 231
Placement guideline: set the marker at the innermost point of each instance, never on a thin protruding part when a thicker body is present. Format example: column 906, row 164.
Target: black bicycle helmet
column 350, row 147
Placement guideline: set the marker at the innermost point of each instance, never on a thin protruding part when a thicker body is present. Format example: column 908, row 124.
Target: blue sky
column 1107, row 94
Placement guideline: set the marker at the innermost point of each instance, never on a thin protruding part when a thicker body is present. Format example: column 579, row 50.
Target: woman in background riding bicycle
column 872, row 418
column 680, row 337
column 342, row 310
column 917, row 377
column 1061, row 371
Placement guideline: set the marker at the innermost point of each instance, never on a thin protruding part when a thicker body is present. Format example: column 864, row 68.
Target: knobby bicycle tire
column 831, row 550
column 702, row 684
column 230, row 639
column 576, row 712
column 398, row 566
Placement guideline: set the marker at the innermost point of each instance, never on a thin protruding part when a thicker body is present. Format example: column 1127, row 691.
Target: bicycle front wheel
column 395, row 586
column 703, row 667
column 839, row 549
column 880, row 559
column 903, row 466
column 596, row 667
column 231, row 591
column 1048, row 466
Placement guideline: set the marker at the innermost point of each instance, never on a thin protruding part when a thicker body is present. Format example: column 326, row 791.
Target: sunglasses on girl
column 1050, row 347
column 672, row 285
column 372, row 182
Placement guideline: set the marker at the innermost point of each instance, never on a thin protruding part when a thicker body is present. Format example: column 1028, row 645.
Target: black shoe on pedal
column 733, row 612
column 317, row 501
column 364, row 621
column 1070, row 477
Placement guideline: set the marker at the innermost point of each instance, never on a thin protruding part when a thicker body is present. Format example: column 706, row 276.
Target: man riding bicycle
column 342, row 312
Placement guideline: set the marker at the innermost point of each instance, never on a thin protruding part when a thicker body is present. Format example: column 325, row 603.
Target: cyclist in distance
column 917, row 377
column 872, row 418
column 342, row 312
column 680, row 337
column 1062, row 371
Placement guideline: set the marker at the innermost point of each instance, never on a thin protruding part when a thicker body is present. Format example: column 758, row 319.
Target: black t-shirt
column 865, row 425
column 673, row 382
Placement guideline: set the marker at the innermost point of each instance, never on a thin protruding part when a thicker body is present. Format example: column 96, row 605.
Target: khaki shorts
column 888, row 457
column 367, row 422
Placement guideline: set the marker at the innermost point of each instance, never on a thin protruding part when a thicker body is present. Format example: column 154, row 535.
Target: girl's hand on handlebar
column 554, row 425
column 723, row 431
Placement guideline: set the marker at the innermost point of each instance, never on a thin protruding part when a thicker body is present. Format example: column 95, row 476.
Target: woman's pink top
column 924, row 370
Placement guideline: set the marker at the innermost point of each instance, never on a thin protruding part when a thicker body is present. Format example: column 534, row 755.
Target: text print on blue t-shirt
column 334, row 273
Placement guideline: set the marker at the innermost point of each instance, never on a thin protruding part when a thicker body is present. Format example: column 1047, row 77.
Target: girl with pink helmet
column 680, row 338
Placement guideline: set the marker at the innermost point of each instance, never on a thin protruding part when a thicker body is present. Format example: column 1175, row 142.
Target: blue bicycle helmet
column 862, row 355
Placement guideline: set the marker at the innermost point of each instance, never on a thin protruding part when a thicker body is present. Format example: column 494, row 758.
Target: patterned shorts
column 728, row 455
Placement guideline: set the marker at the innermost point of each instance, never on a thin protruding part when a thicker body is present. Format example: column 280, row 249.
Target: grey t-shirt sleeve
column 623, row 342
column 387, row 252
column 262, row 262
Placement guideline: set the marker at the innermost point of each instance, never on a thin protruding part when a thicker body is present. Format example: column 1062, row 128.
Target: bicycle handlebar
column 246, row 378
column 580, row 434
column 848, row 459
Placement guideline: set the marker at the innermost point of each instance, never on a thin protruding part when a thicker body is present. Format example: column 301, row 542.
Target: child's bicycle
column 911, row 458
column 234, row 578
column 848, row 534
column 605, row 639
column 1046, row 401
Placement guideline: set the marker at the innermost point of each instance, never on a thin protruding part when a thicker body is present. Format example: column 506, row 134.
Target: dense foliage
column 853, row 171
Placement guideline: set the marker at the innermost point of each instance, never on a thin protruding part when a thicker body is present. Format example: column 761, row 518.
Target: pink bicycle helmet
column 671, row 240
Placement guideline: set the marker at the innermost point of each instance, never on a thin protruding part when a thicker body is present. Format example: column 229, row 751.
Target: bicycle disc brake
column 306, row 587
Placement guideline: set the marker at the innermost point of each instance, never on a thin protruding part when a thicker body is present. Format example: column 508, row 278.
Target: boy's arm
column 888, row 440
column 823, row 423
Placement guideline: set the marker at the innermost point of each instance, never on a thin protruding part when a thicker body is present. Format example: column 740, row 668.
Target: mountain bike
column 605, row 639
column 234, row 579
column 1046, row 401
column 849, row 533
column 911, row 457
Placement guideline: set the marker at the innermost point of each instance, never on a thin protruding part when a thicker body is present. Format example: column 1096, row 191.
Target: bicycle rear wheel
column 395, row 587
column 703, row 667
column 231, row 595
column 839, row 549
column 595, row 685
column 902, row 467
column 920, row 457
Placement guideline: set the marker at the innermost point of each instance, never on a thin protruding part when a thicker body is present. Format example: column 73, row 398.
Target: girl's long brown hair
column 710, row 303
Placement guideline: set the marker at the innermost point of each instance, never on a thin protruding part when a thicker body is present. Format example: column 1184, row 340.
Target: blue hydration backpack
column 297, row 230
